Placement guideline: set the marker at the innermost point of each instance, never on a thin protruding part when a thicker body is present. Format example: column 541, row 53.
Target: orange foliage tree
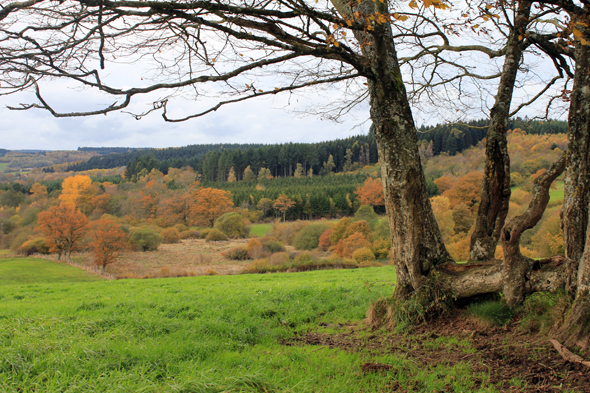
column 371, row 192
column 108, row 240
column 347, row 246
column 210, row 204
column 76, row 190
column 63, row 226
column 283, row 204
column 466, row 189
column 38, row 191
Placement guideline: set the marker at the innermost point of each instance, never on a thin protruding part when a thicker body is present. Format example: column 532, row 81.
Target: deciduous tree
column 108, row 240
column 209, row 204
column 283, row 204
column 63, row 226
column 371, row 193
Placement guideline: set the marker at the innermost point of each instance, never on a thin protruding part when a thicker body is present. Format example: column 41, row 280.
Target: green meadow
column 201, row 334
column 37, row 271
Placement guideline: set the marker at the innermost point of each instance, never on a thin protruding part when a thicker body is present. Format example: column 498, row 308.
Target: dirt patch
column 515, row 361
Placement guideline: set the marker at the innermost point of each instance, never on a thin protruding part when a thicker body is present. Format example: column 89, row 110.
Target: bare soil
column 515, row 361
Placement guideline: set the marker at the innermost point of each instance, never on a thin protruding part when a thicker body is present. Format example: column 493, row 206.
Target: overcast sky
column 268, row 120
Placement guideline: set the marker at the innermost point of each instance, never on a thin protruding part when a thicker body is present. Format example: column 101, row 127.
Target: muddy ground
column 515, row 361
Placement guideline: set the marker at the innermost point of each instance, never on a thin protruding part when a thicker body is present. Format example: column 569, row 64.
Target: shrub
column 145, row 239
column 339, row 230
column 239, row 253
column 363, row 254
column 232, row 224
column 170, row 236
column 286, row 232
column 324, row 242
column 366, row 213
column 271, row 244
column 360, row 226
column 33, row 246
column 346, row 247
column 279, row 258
column 381, row 248
column 205, row 233
column 190, row 234
column 215, row 235
column 254, row 249
column 308, row 238
column 382, row 230
column 181, row 228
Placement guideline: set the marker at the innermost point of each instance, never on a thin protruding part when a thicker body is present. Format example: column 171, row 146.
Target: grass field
column 34, row 271
column 557, row 193
column 202, row 334
column 259, row 230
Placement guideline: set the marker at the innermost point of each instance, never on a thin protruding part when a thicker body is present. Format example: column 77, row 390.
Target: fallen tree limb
column 567, row 355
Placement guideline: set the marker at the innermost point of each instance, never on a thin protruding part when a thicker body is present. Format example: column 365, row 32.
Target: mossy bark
column 577, row 176
column 417, row 244
column 517, row 268
column 495, row 191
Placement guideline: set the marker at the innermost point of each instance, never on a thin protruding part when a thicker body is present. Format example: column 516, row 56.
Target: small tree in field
column 283, row 204
column 63, row 226
column 108, row 240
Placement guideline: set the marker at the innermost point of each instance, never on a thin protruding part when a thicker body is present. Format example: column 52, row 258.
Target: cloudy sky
column 269, row 120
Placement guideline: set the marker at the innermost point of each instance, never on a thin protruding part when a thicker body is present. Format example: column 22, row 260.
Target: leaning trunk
column 517, row 267
column 495, row 192
column 577, row 176
column 417, row 244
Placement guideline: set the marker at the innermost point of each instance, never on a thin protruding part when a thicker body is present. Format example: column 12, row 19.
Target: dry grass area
column 190, row 257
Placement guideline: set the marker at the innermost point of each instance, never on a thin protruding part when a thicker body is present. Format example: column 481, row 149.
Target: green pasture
column 201, row 334
column 3, row 165
column 35, row 271
column 259, row 230
column 556, row 194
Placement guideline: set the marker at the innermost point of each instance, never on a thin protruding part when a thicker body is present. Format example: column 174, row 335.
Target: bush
column 205, row 233
column 215, row 235
column 239, row 253
column 271, row 244
column 279, row 258
column 254, row 249
column 363, row 254
column 339, row 230
column 145, row 239
column 382, row 230
column 362, row 227
column 324, row 242
column 170, row 236
column 346, row 247
column 308, row 238
column 232, row 224
column 286, row 232
column 33, row 246
column 366, row 213
column 190, row 234
column 381, row 248
column 181, row 228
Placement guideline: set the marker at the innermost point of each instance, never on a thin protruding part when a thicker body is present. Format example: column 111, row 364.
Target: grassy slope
column 35, row 270
column 260, row 229
column 198, row 334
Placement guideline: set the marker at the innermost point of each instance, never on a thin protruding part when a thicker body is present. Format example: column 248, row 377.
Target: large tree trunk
column 577, row 176
column 576, row 208
column 517, row 267
column 495, row 192
column 417, row 244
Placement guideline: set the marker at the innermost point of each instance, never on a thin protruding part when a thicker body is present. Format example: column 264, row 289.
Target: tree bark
column 495, row 192
column 577, row 177
column 517, row 267
column 416, row 240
